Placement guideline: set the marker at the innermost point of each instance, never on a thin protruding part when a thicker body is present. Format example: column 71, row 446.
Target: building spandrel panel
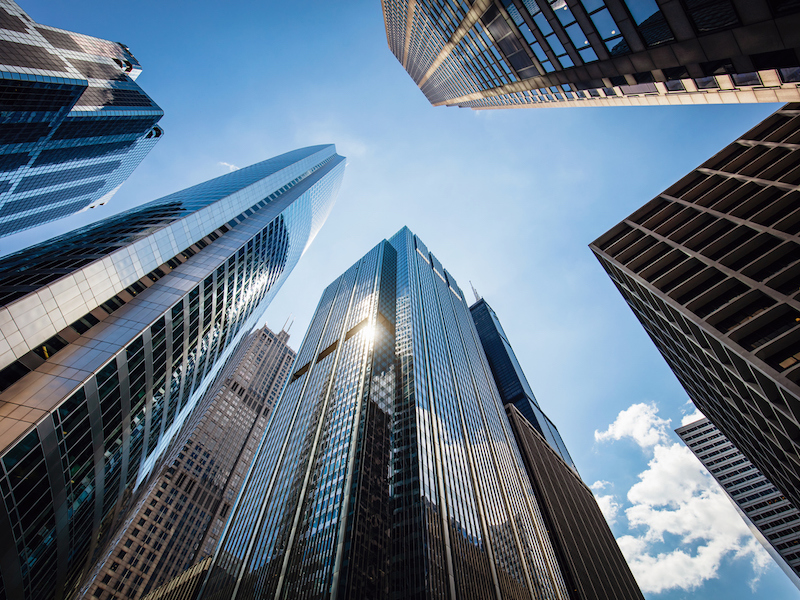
column 142, row 330
column 75, row 123
column 388, row 468
column 535, row 53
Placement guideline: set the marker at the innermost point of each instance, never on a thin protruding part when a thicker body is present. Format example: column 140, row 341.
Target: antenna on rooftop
column 474, row 291
column 287, row 321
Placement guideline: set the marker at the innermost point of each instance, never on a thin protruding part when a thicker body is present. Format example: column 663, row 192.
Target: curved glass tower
column 110, row 334
column 388, row 469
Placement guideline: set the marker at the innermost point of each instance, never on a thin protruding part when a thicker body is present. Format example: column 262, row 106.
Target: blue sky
column 507, row 199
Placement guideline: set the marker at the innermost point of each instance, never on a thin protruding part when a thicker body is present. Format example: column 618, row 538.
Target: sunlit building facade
column 74, row 122
column 179, row 520
column 773, row 520
column 388, row 469
column 524, row 53
column 109, row 335
column 711, row 268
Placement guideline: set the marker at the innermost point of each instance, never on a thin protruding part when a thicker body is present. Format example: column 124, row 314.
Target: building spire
column 474, row 291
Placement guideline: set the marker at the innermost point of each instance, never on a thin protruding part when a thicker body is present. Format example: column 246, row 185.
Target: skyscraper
column 774, row 521
column 110, row 335
column 511, row 382
column 178, row 522
column 523, row 53
column 590, row 560
column 388, row 469
column 75, row 124
column 711, row 268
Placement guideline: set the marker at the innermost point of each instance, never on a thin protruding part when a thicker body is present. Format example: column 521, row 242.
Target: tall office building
column 110, row 334
column 178, row 522
column 511, row 382
column 711, row 268
column 74, row 122
column 523, row 53
column 388, row 469
column 590, row 560
column 772, row 519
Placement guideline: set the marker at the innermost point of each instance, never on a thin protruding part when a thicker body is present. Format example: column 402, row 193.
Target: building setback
column 524, row 53
column 590, row 560
column 110, row 334
column 774, row 521
column 388, row 469
column 179, row 520
column 711, row 268
column 75, row 123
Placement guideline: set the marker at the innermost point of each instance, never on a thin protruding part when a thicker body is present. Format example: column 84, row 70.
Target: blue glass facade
column 388, row 468
column 74, row 122
column 155, row 302
column 511, row 382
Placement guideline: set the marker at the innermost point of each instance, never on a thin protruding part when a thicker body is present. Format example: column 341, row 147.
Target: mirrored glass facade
column 525, row 53
column 74, row 122
column 711, row 268
column 178, row 521
column 388, row 469
column 112, row 334
column 774, row 521
column 511, row 382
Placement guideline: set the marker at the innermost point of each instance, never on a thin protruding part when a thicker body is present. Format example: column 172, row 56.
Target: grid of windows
column 711, row 267
column 770, row 512
column 161, row 346
column 46, row 74
column 389, row 421
column 516, row 53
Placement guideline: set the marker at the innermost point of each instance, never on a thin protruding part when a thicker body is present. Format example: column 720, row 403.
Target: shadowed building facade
column 388, row 469
column 523, row 53
column 711, row 268
column 178, row 522
column 772, row 519
column 74, row 122
column 591, row 562
column 109, row 336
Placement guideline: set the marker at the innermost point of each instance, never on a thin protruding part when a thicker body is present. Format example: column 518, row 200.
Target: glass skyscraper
column 511, row 382
column 388, row 469
column 590, row 559
column 110, row 335
column 74, row 122
column 524, row 53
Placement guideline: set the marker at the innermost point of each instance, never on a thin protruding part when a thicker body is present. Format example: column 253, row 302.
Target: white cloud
column 676, row 499
column 695, row 416
column 641, row 423
column 231, row 167
column 599, row 485
column 609, row 507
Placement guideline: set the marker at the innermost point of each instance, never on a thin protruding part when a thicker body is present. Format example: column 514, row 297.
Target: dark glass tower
column 511, row 381
column 74, row 122
column 111, row 334
column 388, row 469
column 523, row 53
column 711, row 268
column 591, row 562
